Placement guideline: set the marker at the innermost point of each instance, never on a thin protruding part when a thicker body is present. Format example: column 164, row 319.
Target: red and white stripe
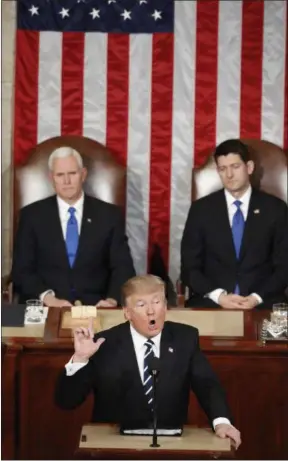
column 160, row 103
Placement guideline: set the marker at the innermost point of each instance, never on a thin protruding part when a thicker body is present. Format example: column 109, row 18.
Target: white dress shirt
column 64, row 216
column 232, row 208
column 140, row 349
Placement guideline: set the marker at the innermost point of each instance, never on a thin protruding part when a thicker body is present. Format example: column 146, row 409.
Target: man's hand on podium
column 84, row 345
column 51, row 301
column 108, row 302
column 227, row 430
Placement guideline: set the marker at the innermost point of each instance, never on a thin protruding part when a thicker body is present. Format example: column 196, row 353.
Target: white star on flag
column 95, row 13
column 81, row 1
column 142, row 1
column 111, row 1
column 126, row 14
column 157, row 15
column 34, row 10
column 64, row 13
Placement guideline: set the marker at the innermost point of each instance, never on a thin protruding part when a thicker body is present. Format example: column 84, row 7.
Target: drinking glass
column 34, row 310
column 279, row 316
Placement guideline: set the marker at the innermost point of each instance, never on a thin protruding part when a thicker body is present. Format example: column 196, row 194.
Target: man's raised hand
column 84, row 344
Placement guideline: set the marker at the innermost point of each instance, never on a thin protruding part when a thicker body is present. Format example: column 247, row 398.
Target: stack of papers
column 150, row 432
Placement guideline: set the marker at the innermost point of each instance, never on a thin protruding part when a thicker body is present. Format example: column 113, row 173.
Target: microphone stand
column 154, row 371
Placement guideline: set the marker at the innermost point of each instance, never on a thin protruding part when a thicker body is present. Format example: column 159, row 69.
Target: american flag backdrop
column 160, row 82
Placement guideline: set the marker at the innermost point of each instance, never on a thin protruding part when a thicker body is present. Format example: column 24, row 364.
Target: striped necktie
column 147, row 378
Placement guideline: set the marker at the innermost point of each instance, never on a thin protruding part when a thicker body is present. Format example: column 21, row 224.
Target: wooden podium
column 100, row 441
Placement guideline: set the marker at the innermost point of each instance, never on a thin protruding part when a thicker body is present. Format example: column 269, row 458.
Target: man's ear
column 250, row 166
column 84, row 174
column 126, row 313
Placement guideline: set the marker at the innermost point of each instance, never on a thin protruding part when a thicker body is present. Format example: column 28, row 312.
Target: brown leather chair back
column 270, row 175
column 106, row 179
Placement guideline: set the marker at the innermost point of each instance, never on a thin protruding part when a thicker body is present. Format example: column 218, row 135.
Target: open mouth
column 152, row 324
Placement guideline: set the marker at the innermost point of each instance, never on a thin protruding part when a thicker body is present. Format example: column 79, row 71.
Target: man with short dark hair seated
column 114, row 365
column 234, row 251
column 71, row 247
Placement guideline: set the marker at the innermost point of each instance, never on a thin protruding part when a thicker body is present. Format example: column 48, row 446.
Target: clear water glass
column 34, row 310
column 279, row 315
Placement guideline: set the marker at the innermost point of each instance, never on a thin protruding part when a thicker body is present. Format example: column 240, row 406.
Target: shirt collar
column 244, row 199
column 139, row 340
column 64, row 206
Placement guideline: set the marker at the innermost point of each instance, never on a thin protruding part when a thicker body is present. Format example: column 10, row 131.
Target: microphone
column 154, row 369
column 153, row 365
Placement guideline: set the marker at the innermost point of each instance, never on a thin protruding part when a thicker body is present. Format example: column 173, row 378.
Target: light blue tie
column 238, row 224
column 72, row 236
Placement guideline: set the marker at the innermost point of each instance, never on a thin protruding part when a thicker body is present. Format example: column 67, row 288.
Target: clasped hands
column 233, row 301
column 51, row 301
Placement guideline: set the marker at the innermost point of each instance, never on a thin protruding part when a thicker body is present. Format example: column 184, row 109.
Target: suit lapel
column 56, row 234
column 252, row 222
column 127, row 357
column 224, row 228
column 167, row 358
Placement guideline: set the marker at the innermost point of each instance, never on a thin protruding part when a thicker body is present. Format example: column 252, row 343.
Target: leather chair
column 270, row 175
column 106, row 179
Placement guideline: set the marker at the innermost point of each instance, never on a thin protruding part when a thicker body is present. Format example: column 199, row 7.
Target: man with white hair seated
column 71, row 247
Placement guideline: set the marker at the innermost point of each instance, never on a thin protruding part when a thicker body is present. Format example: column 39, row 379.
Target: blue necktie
column 238, row 225
column 147, row 378
column 72, row 236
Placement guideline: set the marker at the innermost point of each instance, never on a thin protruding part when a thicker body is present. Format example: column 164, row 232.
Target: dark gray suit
column 103, row 260
column 208, row 259
column 113, row 376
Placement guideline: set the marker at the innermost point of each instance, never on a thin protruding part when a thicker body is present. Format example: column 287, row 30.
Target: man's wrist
column 45, row 293
column 220, row 420
column 112, row 300
column 79, row 359
column 215, row 294
column 257, row 297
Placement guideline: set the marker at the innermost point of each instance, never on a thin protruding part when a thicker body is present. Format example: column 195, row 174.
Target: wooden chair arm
column 6, row 288
column 182, row 293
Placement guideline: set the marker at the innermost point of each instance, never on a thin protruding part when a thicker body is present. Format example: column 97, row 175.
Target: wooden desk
column 254, row 376
column 104, row 442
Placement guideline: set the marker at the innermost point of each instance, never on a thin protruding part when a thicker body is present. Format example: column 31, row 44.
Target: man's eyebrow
column 68, row 172
column 232, row 164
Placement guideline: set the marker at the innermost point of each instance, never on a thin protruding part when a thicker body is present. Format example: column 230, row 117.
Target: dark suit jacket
column 208, row 259
column 103, row 261
column 113, row 375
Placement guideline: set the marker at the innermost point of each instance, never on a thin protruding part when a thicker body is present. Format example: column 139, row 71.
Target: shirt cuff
column 217, row 421
column 47, row 292
column 259, row 299
column 215, row 294
column 72, row 367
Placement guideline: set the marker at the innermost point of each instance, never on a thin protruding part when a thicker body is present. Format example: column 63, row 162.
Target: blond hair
column 63, row 152
column 142, row 284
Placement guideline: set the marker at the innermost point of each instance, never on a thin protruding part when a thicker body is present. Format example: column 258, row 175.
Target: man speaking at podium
column 114, row 365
